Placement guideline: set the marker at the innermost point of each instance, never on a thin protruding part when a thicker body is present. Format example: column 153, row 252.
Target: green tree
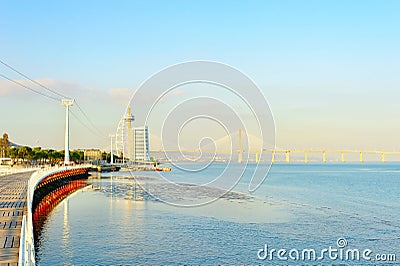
column 30, row 154
column 24, row 152
column 58, row 156
column 45, row 155
column 54, row 156
column 13, row 153
column 50, row 156
column 107, row 157
column 37, row 154
column 77, row 156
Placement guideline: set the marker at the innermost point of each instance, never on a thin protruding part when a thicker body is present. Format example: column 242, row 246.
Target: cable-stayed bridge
column 288, row 155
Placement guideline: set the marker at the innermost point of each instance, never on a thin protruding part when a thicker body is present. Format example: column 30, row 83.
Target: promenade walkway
column 13, row 190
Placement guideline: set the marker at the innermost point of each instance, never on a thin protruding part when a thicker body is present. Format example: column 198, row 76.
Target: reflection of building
column 140, row 144
column 92, row 155
column 128, row 119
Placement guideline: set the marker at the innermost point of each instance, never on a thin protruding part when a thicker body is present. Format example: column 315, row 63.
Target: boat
column 163, row 169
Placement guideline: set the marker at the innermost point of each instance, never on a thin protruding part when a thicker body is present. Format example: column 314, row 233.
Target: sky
column 329, row 69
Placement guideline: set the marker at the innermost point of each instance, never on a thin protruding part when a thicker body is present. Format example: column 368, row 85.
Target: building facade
column 92, row 155
column 139, row 144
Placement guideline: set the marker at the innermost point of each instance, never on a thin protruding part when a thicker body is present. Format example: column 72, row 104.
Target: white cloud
column 120, row 95
column 7, row 88
column 66, row 88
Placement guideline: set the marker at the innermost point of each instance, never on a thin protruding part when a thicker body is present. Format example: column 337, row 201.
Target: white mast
column 111, row 149
column 67, row 103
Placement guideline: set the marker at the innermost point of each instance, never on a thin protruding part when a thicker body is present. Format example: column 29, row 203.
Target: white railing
column 22, row 238
column 27, row 242
column 7, row 170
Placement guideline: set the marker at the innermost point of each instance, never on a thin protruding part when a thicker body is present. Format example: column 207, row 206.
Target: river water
column 115, row 221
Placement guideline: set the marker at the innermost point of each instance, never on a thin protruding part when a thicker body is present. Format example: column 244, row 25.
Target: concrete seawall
column 41, row 184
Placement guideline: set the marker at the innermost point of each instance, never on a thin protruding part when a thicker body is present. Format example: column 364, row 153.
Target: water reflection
column 66, row 231
column 120, row 187
column 48, row 203
column 147, row 188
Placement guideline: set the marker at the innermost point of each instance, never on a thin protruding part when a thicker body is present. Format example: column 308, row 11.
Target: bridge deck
column 12, row 207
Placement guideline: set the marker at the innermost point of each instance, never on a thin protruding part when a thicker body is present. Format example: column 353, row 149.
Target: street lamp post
column 111, row 149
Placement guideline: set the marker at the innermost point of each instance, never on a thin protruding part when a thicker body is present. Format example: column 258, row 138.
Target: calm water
column 297, row 207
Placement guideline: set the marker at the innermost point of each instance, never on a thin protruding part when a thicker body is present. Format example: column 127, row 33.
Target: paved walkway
column 12, row 207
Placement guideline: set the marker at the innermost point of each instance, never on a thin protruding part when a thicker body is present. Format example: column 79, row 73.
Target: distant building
column 135, row 147
column 139, row 144
column 92, row 155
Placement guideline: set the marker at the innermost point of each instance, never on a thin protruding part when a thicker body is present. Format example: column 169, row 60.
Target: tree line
column 37, row 155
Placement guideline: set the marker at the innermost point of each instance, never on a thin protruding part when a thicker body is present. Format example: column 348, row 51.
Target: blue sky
column 329, row 69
